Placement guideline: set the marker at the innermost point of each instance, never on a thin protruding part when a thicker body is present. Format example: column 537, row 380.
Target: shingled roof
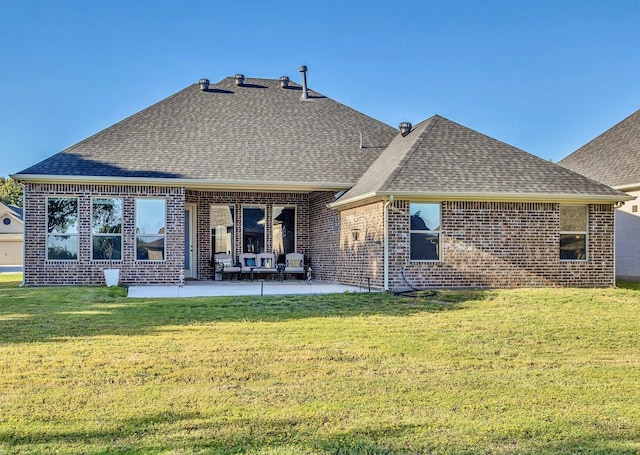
column 613, row 157
column 442, row 159
column 257, row 135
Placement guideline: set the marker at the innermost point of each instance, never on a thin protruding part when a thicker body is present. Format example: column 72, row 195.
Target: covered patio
column 209, row 288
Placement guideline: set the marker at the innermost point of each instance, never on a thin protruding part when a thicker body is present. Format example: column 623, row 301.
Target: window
column 106, row 228
column 222, row 229
column 62, row 228
column 573, row 232
column 253, row 229
column 151, row 217
column 284, row 230
column 424, row 232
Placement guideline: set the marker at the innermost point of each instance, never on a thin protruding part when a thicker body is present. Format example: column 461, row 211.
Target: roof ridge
column 409, row 153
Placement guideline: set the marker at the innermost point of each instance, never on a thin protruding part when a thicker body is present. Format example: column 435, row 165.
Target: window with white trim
column 151, row 216
column 424, row 231
column 222, row 223
column 62, row 228
column 106, row 229
column 573, row 232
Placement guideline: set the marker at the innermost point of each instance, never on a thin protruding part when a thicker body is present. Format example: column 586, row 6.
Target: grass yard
column 85, row 370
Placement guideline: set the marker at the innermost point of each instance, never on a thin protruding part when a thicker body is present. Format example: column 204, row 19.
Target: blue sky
column 544, row 76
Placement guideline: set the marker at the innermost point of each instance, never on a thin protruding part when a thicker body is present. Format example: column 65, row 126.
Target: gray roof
column 442, row 158
column 13, row 209
column 244, row 135
column 613, row 157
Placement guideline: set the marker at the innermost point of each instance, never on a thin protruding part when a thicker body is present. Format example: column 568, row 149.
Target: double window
column 573, row 232
column 106, row 228
column 62, row 228
column 151, row 216
column 424, row 232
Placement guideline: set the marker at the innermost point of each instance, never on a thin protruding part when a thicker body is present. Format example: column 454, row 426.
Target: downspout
column 386, row 242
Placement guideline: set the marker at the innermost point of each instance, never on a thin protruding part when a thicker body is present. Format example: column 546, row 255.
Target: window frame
column 137, row 235
column 233, row 229
column 264, row 232
column 295, row 227
column 437, row 232
column 585, row 233
column 72, row 234
column 97, row 234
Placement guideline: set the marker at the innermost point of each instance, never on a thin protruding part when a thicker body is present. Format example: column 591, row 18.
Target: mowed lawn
column 86, row 370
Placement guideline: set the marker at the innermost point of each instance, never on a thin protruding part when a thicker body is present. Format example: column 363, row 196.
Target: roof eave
column 204, row 184
column 479, row 197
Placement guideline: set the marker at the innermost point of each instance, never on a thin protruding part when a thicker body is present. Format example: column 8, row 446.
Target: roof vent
column 305, row 92
column 239, row 79
column 284, row 81
column 405, row 128
column 204, row 84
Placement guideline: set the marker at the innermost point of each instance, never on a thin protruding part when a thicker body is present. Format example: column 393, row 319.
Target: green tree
column 10, row 192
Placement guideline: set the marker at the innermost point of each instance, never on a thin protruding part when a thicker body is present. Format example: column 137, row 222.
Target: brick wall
column 40, row 271
column 204, row 199
column 495, row 244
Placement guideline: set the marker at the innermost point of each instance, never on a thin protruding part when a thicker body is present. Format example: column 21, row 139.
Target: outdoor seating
column 294, row 264
column 248, row 263
column 265, row 263
column 225, row 261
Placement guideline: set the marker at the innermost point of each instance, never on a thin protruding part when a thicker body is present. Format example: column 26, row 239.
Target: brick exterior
column 483, row 244
column 40, row 271
column 495, row 244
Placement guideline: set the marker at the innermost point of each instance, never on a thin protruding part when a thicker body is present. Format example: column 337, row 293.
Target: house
column 253, row 165
column 613, row 158
column 11, row 235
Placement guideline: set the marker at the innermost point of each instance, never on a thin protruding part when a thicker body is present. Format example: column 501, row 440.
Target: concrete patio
column 210, row 288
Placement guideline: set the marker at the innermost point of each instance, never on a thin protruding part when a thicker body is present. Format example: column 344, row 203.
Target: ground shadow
column 41, row 314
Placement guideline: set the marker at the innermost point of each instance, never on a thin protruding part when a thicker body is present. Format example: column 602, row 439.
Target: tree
column 10, row 192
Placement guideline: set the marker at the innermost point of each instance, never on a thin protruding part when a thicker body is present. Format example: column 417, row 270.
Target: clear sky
column 546, row 76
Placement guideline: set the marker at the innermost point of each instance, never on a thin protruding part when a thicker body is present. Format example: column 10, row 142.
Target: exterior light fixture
column 355, row 234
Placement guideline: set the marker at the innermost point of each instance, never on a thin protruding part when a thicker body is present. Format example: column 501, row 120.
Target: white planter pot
column 112, row 277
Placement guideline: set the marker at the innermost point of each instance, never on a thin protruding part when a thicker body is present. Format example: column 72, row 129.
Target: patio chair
column 294, row 263
column 265, row 263
column 227, row 264
column 248, row 263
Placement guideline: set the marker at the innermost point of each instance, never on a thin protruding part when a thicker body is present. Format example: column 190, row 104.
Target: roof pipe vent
column 239, row 79
column 204, row 84
column 284, row 81
column 305, row 91
column 405, row 128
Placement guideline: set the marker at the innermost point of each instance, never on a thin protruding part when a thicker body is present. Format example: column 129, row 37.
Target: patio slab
column 236, row 288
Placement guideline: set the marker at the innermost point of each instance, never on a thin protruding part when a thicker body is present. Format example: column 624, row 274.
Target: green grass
column 85, row 370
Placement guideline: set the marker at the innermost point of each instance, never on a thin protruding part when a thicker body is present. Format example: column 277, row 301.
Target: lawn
column 85, row 370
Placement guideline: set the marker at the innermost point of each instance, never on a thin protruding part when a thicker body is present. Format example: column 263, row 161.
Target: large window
column 151, row 215
column 253, row 231
column 573, row 232
column 424, row 232
column 62, row 228
column 222, row 229
column 284, row 230
column 106, row 228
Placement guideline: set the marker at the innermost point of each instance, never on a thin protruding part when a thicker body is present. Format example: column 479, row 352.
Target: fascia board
column 229, row 185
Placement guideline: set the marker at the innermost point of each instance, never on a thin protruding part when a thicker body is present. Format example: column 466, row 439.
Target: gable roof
column 443, row 159
column 613, row 157
column 257, row 135
column 14, row 211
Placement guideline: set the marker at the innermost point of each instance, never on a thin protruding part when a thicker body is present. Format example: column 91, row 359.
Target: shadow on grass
column 39, row 314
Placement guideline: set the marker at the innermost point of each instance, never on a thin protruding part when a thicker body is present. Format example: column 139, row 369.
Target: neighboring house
column 613, row 158
column 11, row 235
column 252, row 165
